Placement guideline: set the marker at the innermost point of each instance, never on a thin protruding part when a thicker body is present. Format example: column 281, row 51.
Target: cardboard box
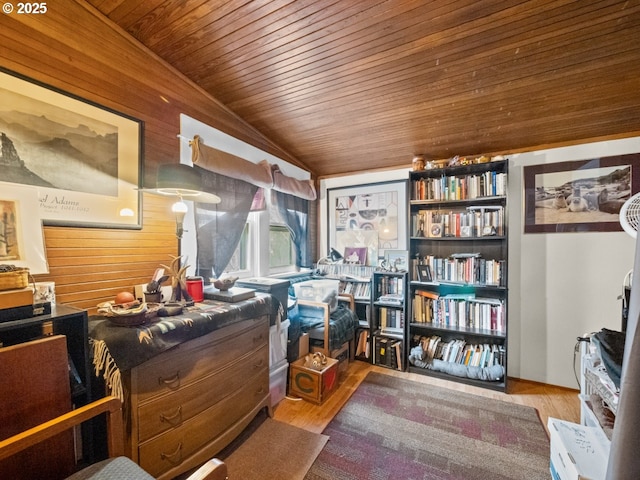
column 577, row 452
column 341, row 354
column 310, row 384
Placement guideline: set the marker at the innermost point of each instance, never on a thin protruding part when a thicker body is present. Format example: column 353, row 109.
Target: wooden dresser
column 187, row 403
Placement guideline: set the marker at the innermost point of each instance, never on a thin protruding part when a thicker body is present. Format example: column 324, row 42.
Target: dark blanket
column 611, row 347
column 131, row 346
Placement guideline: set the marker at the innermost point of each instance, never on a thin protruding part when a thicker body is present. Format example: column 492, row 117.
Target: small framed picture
column 424, row 273
column 355, row 255
column 397, row 260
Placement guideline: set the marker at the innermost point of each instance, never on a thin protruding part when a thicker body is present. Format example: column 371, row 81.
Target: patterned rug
column 393, row 428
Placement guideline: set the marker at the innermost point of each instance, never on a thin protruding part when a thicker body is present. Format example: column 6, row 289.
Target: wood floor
column 551, row 401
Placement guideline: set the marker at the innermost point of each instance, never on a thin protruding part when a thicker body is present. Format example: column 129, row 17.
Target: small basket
column 14, row 279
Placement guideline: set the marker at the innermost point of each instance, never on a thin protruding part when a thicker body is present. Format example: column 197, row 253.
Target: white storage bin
column 278, row 382
column 278, row 337
column 316, row 290
column 577, row 451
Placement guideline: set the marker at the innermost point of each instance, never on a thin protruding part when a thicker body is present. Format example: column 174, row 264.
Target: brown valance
column 261, row 174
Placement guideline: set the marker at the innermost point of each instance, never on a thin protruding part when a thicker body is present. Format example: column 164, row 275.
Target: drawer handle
column 171, row 457
column 259, row 364
column 258, row 339
column 262, row 391
column 169, row 381
column 170, row 418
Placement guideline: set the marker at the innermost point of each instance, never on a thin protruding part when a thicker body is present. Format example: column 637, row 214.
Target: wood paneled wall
column 77, row 50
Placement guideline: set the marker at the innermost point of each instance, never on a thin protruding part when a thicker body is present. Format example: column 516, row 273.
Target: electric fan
column 630, row 215
column 623, row 462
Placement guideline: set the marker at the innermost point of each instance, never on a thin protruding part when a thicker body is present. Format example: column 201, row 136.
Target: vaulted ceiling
column 346, row 85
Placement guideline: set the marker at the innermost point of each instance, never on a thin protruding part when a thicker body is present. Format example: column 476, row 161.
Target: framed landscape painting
column 83, row 160
column 579, row 196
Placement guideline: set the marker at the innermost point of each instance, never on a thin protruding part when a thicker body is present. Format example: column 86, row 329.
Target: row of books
column 467, row 187
column 391, row 320
column 342, row 270
column 471, row 222
column 459, row 351
column 459, row 311
column 390, row 285
column 357, row 289
column 460, row 268
column 388, row 352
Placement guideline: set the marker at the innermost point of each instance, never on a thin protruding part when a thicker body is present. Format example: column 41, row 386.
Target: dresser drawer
column 171, row 448
column 193, row 360
column 169, row 411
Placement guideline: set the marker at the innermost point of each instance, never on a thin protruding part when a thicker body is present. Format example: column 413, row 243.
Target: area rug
column 392, row 428
column 274, row 451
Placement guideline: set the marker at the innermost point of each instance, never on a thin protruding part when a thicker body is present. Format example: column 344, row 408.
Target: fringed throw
column 104, row 364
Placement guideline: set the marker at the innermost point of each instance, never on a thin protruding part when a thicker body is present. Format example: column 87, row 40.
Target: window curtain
column 219, row 226
column 295, row 212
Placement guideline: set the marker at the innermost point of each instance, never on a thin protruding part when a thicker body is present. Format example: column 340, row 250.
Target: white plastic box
column 577, row 451
column 278, row 337
column 315, row 290
column 278, row 382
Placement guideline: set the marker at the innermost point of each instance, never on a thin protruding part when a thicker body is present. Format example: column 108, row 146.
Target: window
column 281, row 249
column 240, row 260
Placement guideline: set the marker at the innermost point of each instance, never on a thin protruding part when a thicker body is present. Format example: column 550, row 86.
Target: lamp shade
column 179, row 180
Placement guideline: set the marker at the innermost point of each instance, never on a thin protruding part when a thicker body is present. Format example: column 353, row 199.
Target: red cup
column 195, row 287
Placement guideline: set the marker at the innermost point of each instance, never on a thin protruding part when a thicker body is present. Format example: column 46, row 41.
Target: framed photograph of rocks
column 82, row 159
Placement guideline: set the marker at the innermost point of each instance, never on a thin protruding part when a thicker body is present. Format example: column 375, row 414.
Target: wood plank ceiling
column 347, row 85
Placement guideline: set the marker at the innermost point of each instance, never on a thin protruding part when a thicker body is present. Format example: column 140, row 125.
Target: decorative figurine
column 418, row 163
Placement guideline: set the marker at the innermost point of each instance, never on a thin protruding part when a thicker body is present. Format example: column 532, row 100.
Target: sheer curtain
column 219, row 226
column 295, row 212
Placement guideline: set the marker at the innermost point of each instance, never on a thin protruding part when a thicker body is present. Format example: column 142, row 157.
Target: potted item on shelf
column 153, row 292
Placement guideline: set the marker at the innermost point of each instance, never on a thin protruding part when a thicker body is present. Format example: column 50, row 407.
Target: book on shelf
column 463, row 268
column 388, row 352
column 469, row 222
column 461, row 352
column 362, row 347
column 338, row 270
column 390, row 285
column 460, row 187
column 398, row 348
column 394, row 299
column 391, row 320
column 358, row 289
column 459, row 311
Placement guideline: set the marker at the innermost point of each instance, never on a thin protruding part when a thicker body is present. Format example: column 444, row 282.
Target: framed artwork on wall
column 397, row 260
column 378, row 207
column 83, row 160
column 21, row 237
column 579, row 196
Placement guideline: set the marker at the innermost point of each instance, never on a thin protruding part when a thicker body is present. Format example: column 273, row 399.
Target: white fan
column 622, row 461
column 630, row 215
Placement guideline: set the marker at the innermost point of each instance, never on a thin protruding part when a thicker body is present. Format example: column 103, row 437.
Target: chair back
column 35, row 388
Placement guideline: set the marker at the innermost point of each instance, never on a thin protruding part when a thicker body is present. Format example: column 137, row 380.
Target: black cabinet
column 72, row 323
column 389, row 307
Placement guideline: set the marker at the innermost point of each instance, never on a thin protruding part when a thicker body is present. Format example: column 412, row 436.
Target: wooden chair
column 48, row 358
column 310, row 309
